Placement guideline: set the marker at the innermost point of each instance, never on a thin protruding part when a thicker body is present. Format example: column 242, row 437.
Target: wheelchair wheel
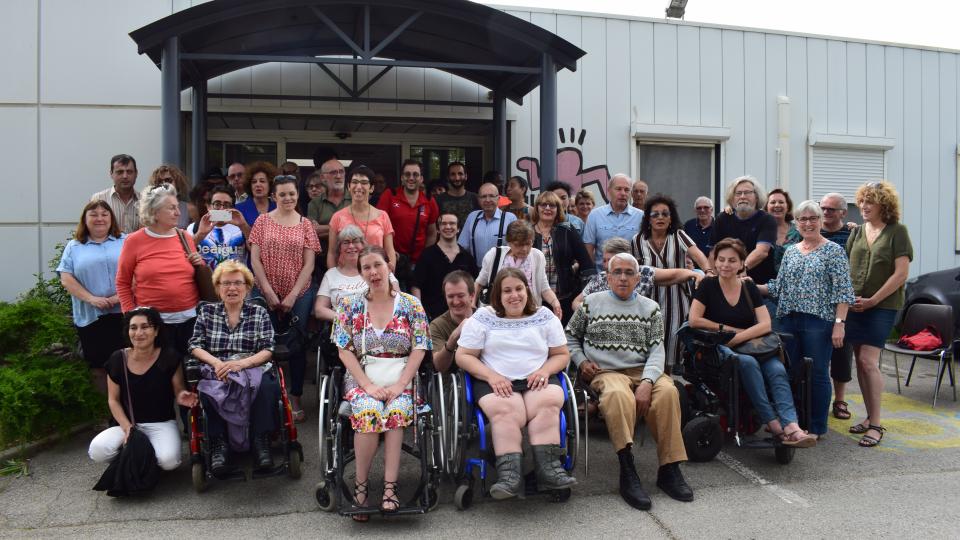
column 439, row 437
column 325, row 498
column 327, row 408
column 463, row 496
column 457, row 423
column 784, row 454
column 703, row 438
column 199, row 477
column 572, row 434
column 433, row 498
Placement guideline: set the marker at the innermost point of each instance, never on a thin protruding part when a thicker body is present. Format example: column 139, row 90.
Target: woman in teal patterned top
column 813, row 290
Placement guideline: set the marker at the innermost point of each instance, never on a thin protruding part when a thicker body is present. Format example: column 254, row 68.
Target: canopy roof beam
column 293, row 59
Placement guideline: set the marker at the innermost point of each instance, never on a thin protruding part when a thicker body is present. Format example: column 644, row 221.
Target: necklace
column 365, row 223
column 544, row 233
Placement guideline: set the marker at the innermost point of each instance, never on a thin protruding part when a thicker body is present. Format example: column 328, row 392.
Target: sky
column 931, row 23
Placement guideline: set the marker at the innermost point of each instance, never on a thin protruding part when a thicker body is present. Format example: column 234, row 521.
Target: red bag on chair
column 927, row 339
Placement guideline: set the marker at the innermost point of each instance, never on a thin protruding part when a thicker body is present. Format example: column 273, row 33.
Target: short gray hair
column 616, row 245
column 834, row 195
column 624, row 257
column 621, row 176
column 808, row 207
column 151, row 198
column 700, row 199
column 350, row 232
column 757, row 188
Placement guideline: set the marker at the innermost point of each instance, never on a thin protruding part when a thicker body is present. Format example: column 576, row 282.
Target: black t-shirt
column 428, row 276
column 152, row 394
column 460, row 206
column 760, row 227
column 719, row 311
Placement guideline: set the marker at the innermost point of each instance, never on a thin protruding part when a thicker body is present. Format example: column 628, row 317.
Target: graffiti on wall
column 570, row 168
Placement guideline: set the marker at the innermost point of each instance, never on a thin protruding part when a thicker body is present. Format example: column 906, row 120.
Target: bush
column 32, row 326
column 43, row 394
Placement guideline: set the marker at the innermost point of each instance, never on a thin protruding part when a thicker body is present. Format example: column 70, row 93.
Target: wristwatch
column 648, row 379
column 838, row 320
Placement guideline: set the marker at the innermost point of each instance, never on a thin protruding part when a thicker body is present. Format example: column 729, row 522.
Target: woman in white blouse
column 520, row 254
column 514, row 349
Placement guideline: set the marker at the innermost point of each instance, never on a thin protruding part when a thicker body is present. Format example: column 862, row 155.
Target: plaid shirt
column 213, row 334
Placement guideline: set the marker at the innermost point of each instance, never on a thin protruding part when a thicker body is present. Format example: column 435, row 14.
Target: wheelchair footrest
column 375, row 510
column 276, row 470
column 761, row 444
column 230, row 473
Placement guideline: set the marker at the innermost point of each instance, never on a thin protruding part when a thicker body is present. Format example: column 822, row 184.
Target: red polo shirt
column 403, row 216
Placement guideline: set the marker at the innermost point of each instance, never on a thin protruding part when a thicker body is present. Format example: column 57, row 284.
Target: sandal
column 299, row 416
column 841, row 410
column 869, row 442
column 798, row 439
column 390, row 504
column 861, row 428
column 361, row 489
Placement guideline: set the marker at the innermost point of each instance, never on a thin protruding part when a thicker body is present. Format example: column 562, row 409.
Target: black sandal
column 361, row 489
column 869, row 442
column 841, row 410
column 392, row 500
column 860, row 428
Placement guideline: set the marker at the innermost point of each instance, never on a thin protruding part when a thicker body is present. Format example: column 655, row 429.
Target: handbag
column 762, row 347
column 382, row 371
column 202, row 276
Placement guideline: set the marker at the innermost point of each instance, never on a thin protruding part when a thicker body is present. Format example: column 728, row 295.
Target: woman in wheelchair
column 514, row 350
column 234, row 340
column 383, row 336
column 723, row 303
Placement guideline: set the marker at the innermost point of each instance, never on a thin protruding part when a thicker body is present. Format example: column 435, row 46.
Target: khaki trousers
column 618, row 404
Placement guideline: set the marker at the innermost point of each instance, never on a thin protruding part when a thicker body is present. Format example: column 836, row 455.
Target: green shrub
column 51, row 289
column 32, row 326
column 45, row 394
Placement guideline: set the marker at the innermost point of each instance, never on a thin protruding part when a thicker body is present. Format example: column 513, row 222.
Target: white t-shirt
column 514, row 348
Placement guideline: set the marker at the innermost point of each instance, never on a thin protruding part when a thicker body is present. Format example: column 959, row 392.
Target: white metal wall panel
column 24, row 240
column 843, row 170
column 711, row 77
column 642, row 81
column 836, row 86
column 754, row 108
column 894, row 111
column 236, row 82
column 437, row 86
column 733, row 98
column 594, row 88
column 410, row 85
column 797, row 92
column 665, row 73
column 570, row 83
column 19, row 153
column 266, row 79
column 946, row 153
column 876, row 96
column 295, row 81
column 385, row 87
column 775, row 65
column 617, row 100
column 18, row 41
column 910, row 183
column 856, row 88
column 930, row 190
column 817, row 86
column 688, row 76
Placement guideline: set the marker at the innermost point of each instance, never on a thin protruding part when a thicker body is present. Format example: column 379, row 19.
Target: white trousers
column 164, row 436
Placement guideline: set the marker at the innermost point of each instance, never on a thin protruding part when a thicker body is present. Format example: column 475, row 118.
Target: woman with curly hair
column 170, row 174
column 258, row 183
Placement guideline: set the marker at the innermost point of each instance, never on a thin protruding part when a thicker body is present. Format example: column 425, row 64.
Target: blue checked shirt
column 211, row 332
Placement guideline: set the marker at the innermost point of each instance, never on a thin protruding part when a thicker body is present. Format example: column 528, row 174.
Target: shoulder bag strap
column 473, row 236
column 126, row 379
column 183, row 242
column 416, row 225
column 503, row 220
column 496, row 264
column 743, row 291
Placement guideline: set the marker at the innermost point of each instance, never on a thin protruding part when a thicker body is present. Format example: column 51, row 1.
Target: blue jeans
column 752, row 377
column 812, row 339
column 302, row 309
column 772, row 308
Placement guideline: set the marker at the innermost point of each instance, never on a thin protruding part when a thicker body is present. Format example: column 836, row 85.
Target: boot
column 509, row 467
column 261, row 451
column 218, row 455
column 630, row 488
column 550, row 473
column 672, row 482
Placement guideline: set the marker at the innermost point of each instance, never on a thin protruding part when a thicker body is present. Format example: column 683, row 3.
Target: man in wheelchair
column 616, row 340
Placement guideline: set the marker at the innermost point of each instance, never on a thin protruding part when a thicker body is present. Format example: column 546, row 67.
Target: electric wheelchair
column 469, row 444
column 712, row 403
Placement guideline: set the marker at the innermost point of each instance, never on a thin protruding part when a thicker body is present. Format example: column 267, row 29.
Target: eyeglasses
column 238, row 284
column 284, row 177
column 221, row 204
column 704, row 208
column 808, row 219
column 235, row 175
column 744, row 193
column 357, row 182
column 351, row 241
column 546, row 205
column 314, row 186
column 655, row 215
column 827, row 209
column 411, row 175
column 624, row 273
column 335, row 172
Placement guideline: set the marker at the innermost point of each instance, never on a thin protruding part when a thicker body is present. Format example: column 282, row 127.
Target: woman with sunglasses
column 375, row 224
column 567, row 260
column 283, row 247
column 662, row 243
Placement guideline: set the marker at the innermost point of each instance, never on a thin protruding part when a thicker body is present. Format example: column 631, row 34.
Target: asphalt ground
column 906, row 488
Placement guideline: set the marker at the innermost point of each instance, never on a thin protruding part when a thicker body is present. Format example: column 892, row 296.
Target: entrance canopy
column 501, row 52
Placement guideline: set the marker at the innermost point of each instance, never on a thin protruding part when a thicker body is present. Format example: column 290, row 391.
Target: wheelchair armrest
column 191, row 370
column 785, row 336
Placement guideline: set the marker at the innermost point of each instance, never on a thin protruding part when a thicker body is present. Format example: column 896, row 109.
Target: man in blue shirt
column 701, row 227
column 616, row 219
column 485, row 228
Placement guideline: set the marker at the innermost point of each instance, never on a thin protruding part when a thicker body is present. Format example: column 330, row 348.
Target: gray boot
column 509, row 469
column 550, row 473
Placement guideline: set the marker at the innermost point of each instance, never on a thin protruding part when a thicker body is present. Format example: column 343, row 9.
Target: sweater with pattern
column 618, row 334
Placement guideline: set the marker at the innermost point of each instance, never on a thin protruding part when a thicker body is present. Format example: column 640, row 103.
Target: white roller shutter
column 843, row 170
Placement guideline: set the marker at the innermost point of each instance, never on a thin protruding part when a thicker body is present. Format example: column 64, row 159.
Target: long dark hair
column 153, row 317
column 659, row 198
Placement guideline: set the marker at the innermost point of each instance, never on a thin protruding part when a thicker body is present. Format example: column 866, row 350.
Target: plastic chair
column 917, row 318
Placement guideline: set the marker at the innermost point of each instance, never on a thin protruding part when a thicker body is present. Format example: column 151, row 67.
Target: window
column 681, row 171
column 843, row 170
column 222, row 154
column 436, row 159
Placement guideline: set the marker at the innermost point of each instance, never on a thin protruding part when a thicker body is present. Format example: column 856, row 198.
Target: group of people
column 508, row 291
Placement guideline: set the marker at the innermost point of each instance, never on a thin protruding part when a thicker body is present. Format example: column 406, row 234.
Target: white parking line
column 785, row 494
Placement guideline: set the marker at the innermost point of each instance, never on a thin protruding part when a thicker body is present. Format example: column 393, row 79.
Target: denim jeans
column 811, row 338
column 752, row 377
column 302, row 309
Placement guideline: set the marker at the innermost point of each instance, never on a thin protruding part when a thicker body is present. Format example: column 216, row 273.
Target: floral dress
column 407, row 330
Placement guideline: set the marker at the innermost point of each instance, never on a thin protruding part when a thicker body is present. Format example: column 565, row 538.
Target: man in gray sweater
column 616, row 340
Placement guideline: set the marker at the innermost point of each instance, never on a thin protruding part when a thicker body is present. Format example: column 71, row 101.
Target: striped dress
column 674, row 300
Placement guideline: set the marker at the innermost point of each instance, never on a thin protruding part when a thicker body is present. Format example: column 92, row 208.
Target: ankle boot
column 672, row 482
column 261, row 451
column 550, row 473
column 630, row 488
column 509, row 468
column 218, row 454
